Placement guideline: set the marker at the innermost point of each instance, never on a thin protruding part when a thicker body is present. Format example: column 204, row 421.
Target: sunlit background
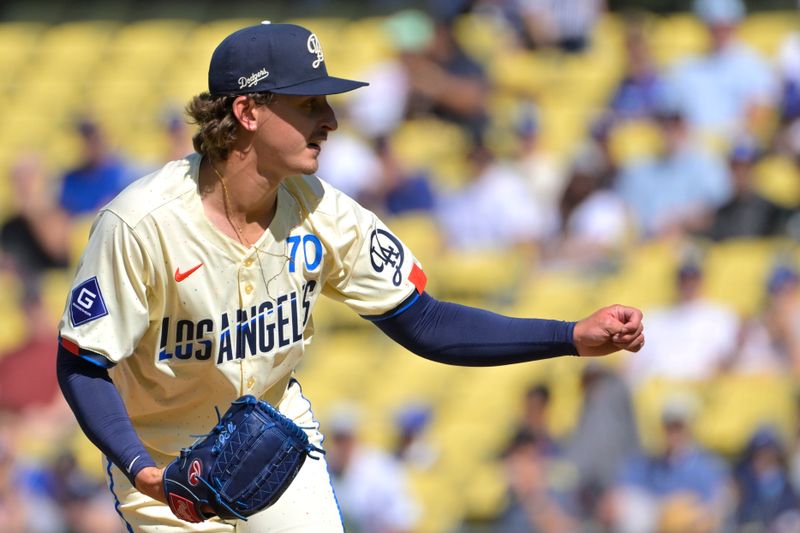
column 541, row 158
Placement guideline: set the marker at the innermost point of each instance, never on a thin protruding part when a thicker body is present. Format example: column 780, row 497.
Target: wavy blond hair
column 217, row 125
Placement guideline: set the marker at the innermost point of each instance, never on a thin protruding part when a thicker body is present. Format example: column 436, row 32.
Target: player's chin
column 308, row 167
column 307, row 163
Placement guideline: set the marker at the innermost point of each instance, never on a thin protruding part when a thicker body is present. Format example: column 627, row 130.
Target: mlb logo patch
column 86, row 303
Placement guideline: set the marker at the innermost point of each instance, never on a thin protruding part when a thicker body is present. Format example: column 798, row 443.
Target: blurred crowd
column 725, row 124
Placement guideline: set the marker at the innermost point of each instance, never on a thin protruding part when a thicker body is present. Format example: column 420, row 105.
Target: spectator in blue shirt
column 649, row 486
column 747, row 213
column 99, row 176
column 727, row 89
column 399, row 190
column 676, row 190
column 638, row 92
column 766, row 499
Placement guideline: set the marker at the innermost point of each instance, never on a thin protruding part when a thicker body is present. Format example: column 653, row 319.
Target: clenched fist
column 608, row 330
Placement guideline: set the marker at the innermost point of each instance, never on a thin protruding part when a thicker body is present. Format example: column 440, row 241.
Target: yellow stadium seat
column 564, row 124
column 766, row 31
column 482, row 37
column 149, row 45
column 421, row 234
column 17, row 44
column 7, row 200
column 485, row 491
column 341, row 361
column 330, row 315
column 481, row 277
column 736, row 406
column 736, row 271
column 675, row 37
column 363, row 43
column 649, row 400
column 79, row 236
column 608, row 34
column 729, row 409
column 413, row 379
column 63, row 149
column 55, row 287
column 562, row 295
column 73, row 48
column 22, row 131
column 434, row 145
column 441, row 502
column 633, row 140
column 778, row 179
column 589, row 78
column 646, row 277
column 521, row 72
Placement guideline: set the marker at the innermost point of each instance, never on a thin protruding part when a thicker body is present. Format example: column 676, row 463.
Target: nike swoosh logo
column 180, row 276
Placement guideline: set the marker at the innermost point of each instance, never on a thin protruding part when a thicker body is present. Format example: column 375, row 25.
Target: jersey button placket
column 247, row 280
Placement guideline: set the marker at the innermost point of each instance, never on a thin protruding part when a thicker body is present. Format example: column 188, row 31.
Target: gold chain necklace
column 226, row 203
column 240, row 235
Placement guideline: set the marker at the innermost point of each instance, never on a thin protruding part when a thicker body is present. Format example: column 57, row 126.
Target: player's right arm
column 106, row 315
column 377, row 276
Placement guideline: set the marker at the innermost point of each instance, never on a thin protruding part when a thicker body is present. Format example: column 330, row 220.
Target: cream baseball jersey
column 189, row 319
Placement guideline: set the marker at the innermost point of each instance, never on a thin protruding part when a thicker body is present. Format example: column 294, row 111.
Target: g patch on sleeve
column 86, row 303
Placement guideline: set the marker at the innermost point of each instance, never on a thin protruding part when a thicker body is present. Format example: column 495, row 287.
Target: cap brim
column 321, row 86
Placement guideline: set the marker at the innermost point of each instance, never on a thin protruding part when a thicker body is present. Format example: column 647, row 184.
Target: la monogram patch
column 385, row 250
column 86, row 303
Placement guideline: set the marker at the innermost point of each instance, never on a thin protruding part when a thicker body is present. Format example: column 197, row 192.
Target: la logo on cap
column 315, row 47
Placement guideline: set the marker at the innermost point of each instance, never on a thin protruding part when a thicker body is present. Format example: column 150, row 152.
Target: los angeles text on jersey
column 258, row 330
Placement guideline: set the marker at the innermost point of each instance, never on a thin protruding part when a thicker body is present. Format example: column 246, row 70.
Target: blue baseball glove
column 242, row 466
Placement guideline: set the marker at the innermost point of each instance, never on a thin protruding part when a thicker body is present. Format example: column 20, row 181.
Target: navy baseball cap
column 279, row 58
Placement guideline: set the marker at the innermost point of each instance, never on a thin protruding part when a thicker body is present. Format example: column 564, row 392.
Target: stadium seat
column 674, row 37
column 634, row 140
column 433, row 145
column 649, row 400
column 520, row 72
column 330, row 315
column 766, row 31
column 480, row 276
column 736, row 271
column 55, row 287
column 484, row 490
column 736, row 406
column 441, row 503
column 421, row 234
column 79, row 236
column 18, row 42
column 484, row 38
column 778, row 179
column 363, row 43
column 646, row 277
column 563, row 295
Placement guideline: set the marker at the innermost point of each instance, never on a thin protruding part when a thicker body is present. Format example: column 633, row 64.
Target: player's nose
column 328, row 118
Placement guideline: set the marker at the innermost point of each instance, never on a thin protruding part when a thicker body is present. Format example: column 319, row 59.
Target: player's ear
column 243, row 110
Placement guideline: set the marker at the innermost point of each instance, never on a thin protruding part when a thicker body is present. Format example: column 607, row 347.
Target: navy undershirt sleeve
column 101, row 413
column 459, row 335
